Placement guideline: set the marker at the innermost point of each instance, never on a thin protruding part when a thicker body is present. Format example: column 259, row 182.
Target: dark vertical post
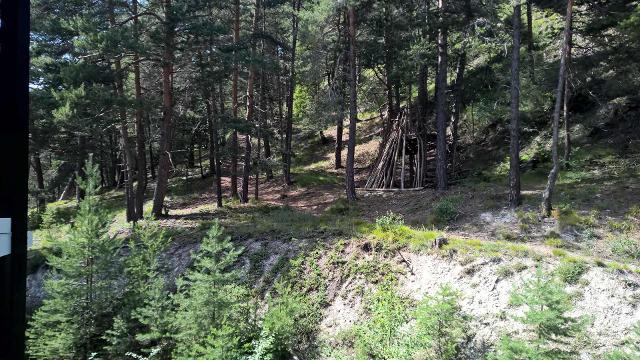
column 14, row 147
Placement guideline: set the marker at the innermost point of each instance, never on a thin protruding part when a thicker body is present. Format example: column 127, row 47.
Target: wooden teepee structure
column 402, row 160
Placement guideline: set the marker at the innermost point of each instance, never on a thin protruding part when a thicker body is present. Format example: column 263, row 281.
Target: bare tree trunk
column 532, row 64
column 353, row 108
column 152, row 162
column 214, row 145
column 234, row 99
column 441, row 103
column 141, row 186
column 292, row 86
column 246, row 173
column 166, row 129
column 457, row 108
column 553, row 174
column 37, row 169
column 80, row 166
column 514, row 148
column 423, row 96
column 567, row 96
column 342, row 73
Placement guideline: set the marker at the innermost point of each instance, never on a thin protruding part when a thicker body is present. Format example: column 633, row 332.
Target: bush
column 630, row 349
column 58, row 213
column 83, row 293
column 625, row 246
column 34, row 219
column 288, row 326
column 571, row 270
column 215, row 313
column 546, row 307
column 382, row 336
column 441, row 327
column 445, row 210
column 389, row 221
column 555, row 242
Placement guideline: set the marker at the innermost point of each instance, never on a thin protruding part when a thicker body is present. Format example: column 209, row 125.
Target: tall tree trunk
column 286, row 170
column 353, row 108
column 127, row 156
column 246, row 171
column 342, row 73
column 82, row 148
column 37, row 169
column 514, row 131
column 553, row 174
column 423, row 96
column 141, row 185
column 234, row 103
column 267, row 154
column 532, row 64
column 166, row 129
column 388, row 64
column 441, row 102
column 457, row 108
column 214, row 148
column 567, row 97
column 152, row 162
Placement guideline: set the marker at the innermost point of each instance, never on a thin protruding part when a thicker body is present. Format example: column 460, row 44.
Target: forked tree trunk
column 166, row 128
column 353, row 108
column 553, row 174
column 514, row 130
column 441, row 103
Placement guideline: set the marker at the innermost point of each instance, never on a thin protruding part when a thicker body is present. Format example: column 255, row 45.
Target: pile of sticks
column 402, row 161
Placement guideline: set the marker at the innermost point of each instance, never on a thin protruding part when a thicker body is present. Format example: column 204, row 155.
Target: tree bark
column 214, row 146
column 553, row 174
column 37, row 169
column 514, row 130
column 441, row 103
column 80, row 166
column 567, row 96
column 286, row 170
column 532, row 64
column 166, row 128
column 141, row 185
column 353, row 108
column 234, row 99
column 246, row 170
column 457, row 108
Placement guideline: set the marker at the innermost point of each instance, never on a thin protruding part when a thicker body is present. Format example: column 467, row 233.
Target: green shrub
column 507, row 270
column 625, row 246
column 288, row 326
column 571, row 269
column 83, row 295
column 34, row 219
column 446, row 210
column 558, row 252
column 630, row 349
column 555, row 242
column 58, row 213
column 389, row 221
column 551, row 329
column 381, row 336
column 339, row 207
column 214, row 318
column 441, row 327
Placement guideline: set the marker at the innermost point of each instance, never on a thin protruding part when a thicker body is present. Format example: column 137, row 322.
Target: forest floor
column 490, row 249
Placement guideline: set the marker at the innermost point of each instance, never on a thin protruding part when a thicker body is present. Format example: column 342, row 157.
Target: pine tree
column 215, row 318
column 83, row 291
column 546, row 316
